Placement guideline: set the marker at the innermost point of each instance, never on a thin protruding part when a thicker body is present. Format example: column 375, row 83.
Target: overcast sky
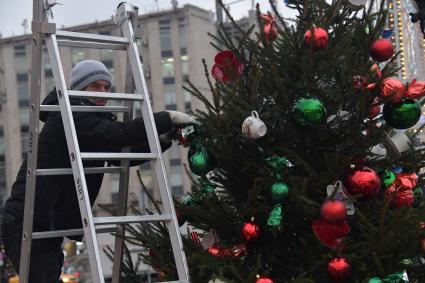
column 74, row 12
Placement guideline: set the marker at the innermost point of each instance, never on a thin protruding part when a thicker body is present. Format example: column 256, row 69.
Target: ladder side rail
column 37, row 36
column 123, row 188
column 76, row 161
column 167, row 200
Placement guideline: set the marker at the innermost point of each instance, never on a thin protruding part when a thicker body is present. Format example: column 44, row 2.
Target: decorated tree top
column 303, row 172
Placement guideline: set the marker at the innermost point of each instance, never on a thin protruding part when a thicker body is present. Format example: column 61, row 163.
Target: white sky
column 74, row 12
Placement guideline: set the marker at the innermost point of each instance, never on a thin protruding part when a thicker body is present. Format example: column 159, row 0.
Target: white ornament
column 253, row 127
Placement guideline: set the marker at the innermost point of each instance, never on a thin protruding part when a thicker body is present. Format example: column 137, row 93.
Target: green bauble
column 374, row 280
column 402, row 115
column 200, row 160
column 279, row 192
column 387, row 178
column 308, row 112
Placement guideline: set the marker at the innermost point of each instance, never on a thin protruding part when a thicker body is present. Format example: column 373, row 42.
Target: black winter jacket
column 56, row 204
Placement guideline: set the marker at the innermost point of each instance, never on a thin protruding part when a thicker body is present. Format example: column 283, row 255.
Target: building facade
column 172, row 46
column 407, row 38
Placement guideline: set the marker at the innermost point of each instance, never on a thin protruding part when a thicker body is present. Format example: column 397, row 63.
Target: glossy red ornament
column 215, row 251
column 227, row 67
column 331, row 235
column 264, row 280
column 415, row 90
column 333, row 211
column 382, row 50
column 392, row 90
column 250, row 231
column 320, row 40
column 362, row 180
column 339, row 268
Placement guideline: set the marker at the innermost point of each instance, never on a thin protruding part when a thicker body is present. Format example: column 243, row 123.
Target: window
column 77, row 55
column 185, row 64
column 115, row 185
column 24, row 140
column 167, row 67
column 23, row 90
column 168, row 81
column 175, row 154
column 20, row 59
column 1, row 145
column 187, row 101
column 48, row 73
column 2, row 175
column 169, row 95
column 182, row 32
column 165, row 35
column 176, row 180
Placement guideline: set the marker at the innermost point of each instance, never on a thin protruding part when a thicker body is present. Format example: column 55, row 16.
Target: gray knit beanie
column 88, row 71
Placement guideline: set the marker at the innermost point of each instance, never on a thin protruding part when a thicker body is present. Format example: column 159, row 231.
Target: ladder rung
column 92, row 45
column 107, row 95
column 68, row 171
column 91, row 37
column 117, row 156
column 131, row 219
column 86, row 108
column 71, row 232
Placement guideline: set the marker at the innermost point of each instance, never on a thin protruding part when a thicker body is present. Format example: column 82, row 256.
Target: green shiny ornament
column 308, row 112
column 200, row 160
column 387, row 178
column 275, row 216
column 402, row 115
column 374, row 280
column 279, row 192
column 189, row 201
column 278, row 163
column 206, row 186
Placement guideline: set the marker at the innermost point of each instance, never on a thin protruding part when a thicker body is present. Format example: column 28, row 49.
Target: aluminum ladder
column 43, row 30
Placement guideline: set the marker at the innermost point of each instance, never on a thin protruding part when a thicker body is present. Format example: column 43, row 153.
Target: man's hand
column 181, row 119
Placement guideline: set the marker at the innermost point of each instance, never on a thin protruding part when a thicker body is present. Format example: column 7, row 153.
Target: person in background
column 56, row 205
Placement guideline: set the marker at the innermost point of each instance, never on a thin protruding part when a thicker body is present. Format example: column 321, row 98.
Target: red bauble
column 227, row 67
column 392, row 90
column 250, row 231
column 321, row 38
column 382, row 50
column 330, row 235
column 334, row 211
column 404, row 198
column 339, row 268
column 364, row 181
column 264, row 280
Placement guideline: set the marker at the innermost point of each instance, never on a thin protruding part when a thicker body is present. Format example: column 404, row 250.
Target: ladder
column 42, row 29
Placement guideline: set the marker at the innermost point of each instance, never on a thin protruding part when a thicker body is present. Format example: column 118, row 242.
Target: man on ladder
column 56, row 205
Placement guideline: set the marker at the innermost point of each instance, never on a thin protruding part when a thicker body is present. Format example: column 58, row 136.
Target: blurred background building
column 172, row 45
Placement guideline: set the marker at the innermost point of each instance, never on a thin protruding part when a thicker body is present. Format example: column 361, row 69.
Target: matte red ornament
column 382, row 50
column 264, row 280
column 227, row 67
column 415, row 90
column 362, row 180
column 333, row 211
column 250, row 231
column 320, row 40
column 331, row 235
column 392, row 90
column 339, row 268
column 404, row 198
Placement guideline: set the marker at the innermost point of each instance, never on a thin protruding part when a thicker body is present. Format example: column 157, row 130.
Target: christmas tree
column 303, row 170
